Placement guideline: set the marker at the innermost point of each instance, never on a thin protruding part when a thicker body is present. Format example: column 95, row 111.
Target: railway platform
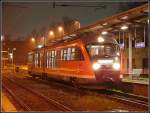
column 7, row 105
column 137, row 86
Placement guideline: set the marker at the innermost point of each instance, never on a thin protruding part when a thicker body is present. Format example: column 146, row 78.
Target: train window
column 69, row 54
column 30, row 58
column 65, row 54
column 102, row 50
column 36, row 60
column 51, row 59
column 61, row 54
column 72, row 53
column 47, row 61
column 40, row 60
column 78, row 54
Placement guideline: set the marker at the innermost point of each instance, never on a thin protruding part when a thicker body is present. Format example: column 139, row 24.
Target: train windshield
column 103, row 50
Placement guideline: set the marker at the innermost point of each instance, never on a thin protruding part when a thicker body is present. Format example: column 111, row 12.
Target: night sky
column 20, row 18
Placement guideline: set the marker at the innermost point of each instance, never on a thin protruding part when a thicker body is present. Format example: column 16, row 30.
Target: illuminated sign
column 140, row 45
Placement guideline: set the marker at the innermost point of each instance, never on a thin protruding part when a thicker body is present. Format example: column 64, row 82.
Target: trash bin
column 17, row 69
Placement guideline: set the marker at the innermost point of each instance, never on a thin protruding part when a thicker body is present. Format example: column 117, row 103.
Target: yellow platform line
column 7, row 105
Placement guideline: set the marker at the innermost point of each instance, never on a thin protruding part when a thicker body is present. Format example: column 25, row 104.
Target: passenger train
column 86, row 59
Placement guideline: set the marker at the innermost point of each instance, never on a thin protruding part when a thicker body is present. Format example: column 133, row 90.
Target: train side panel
column 76, row 68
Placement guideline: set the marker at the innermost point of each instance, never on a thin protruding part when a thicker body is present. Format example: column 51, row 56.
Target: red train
column 85, row 59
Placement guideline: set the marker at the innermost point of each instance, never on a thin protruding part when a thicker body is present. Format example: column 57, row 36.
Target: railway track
column 119, row 96
column 49, row 104
column 127, row 98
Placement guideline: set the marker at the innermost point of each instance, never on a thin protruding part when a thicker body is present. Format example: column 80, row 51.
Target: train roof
column 86, row 38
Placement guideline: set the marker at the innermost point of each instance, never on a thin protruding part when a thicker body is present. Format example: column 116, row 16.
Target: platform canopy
column 137, row 16
column 134, row 17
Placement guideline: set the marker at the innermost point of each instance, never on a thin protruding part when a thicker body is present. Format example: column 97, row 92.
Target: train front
column 105, row 60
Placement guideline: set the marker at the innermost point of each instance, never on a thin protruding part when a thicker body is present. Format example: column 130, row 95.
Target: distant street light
column 33, row 39
column 51, row 33
column 12, row 57
column 60, row 28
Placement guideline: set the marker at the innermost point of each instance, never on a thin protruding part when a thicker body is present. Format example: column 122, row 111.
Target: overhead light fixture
column 124, row 17
column 124, row 27
column 104, row 33
column 105, row 23
column 100, row 39
column 2, row 37
column 10, row 54
column 33, row 39
column 40, row 46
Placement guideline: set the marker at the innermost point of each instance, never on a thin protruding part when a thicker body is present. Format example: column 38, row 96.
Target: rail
column 51, row 101
column 127, row 98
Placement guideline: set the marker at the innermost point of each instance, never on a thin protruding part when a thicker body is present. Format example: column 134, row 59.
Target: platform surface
column 7, row 105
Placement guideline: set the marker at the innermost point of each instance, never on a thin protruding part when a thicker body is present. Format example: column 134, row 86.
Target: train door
column 36, row 61
column 30, row 61
column 71, row 58
column 51, row 59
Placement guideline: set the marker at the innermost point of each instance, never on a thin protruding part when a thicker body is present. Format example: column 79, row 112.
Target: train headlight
column 116, row 66
column 96, row 66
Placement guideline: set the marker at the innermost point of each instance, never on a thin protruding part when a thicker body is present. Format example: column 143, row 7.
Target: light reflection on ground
column 119, row 110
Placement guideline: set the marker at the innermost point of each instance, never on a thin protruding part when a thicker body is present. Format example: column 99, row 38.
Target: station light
column 11, row 55
column 33, row 39
column 121, row 76
column 124, row 17
column 51, row 33
column 40, row 46
column 60, row 28
column 100, row 39
column 2, row 37
column 116, row 58
column 118, row 53
column 105, row 23
column 104, row 33
column 124, row 27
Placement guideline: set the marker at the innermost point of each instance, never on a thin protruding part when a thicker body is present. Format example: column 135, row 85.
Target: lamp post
column 51, row 35
column 33, row 42
column 61, row 30
column 12, row 57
